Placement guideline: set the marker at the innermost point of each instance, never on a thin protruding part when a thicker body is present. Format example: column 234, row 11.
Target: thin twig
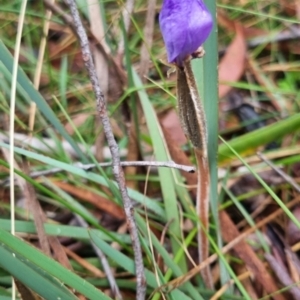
column 171, row 164
column 285, row 176
column 110, row 277
column 117, row 169
column 167, row 164
column 87, row 167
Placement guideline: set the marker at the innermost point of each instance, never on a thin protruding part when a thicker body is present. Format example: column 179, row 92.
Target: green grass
column 163, row 203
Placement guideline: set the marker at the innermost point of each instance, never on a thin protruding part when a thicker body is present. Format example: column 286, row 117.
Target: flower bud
column 185, row 25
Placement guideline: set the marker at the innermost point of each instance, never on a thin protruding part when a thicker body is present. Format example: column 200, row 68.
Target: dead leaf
column 289, row 6
column 179, row 157
column 95, row 199
column 172, row 125
column 77, row 121
column 232, row 65
column 132, row 155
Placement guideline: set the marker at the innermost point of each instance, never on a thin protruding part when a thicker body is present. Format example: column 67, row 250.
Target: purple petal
column 185, row 25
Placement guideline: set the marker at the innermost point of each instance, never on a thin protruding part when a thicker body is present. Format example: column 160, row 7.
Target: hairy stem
column 193, row 122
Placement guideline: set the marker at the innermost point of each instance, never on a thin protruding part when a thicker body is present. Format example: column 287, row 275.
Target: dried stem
column 117, row 169
column 87, row 167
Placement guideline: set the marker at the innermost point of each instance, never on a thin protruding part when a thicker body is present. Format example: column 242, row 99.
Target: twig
column 117, row 169
column 285, row 176
column 171, row 164
column 87, row 167
column 110, row 277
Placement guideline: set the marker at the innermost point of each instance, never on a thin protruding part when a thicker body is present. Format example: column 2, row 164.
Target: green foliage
column 166, row 206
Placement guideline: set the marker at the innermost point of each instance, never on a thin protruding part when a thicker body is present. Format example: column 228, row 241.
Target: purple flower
column 185, row 25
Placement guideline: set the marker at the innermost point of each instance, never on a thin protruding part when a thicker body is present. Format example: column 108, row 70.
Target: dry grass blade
column 39, row 220
column 38, row 214
column 101, row 64
column 38, row 72
column 225, row 287
column 12, row 123
column 148, row 38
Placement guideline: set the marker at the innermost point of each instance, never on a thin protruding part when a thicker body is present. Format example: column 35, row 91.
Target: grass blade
column 10, row 244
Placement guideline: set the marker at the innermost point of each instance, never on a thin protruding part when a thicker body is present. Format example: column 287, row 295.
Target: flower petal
column 185, row 25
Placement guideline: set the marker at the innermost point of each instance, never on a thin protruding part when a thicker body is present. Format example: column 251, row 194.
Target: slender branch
column 171, row 164
column 117, row 169
column 87, row 167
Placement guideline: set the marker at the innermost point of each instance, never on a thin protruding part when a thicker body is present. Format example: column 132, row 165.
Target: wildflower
column 185, row 25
